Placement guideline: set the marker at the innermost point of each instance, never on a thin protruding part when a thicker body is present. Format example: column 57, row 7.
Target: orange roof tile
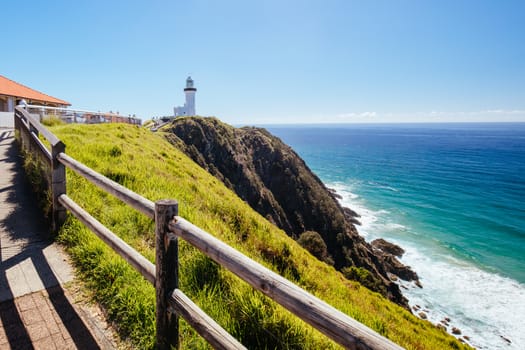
column 12, row 88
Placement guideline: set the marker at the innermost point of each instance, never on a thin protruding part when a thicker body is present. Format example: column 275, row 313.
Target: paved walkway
column 36, row 311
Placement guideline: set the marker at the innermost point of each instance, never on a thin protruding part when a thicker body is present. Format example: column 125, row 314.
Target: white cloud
column 353, row 115
column 489, row 115
column 503, row 111
column 432, row 116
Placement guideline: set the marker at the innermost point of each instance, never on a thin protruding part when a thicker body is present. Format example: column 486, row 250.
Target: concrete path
column 36, row 312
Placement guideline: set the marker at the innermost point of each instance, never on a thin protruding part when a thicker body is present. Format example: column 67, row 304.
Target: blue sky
column 275, row 61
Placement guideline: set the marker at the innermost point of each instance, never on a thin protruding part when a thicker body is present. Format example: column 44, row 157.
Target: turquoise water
column 453, row 195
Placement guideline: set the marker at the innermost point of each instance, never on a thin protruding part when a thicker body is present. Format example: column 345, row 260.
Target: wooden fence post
column 18, row 127
column 167, row 274
column 58, row 185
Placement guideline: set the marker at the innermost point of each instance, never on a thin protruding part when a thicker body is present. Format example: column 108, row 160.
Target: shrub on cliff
column 364, row 277
column 313, row 242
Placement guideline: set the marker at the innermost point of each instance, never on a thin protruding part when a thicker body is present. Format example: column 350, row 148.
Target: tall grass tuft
column 52, row 120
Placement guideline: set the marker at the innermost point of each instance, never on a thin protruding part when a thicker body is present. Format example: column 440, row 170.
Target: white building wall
column 180, row 111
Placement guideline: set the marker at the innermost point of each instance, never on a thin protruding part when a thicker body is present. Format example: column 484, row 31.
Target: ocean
column 453, row 196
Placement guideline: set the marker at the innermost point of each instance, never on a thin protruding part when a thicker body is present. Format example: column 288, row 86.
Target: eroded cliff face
column 277, row 183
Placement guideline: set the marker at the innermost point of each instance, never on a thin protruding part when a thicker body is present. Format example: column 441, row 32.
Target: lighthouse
column 189, row 106
column 189, row 90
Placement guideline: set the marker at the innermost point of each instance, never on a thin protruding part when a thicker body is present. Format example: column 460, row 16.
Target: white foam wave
column 486, row 307
column 383, row 186
column 368, row 217
column 393, row 226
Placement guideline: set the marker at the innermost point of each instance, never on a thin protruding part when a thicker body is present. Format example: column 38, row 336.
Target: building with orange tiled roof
column 11, row 92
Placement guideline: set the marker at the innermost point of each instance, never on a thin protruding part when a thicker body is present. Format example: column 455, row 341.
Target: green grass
column 147, row 164
column 52, row 120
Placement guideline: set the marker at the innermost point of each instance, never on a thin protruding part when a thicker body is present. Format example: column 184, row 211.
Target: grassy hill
column 150, row 166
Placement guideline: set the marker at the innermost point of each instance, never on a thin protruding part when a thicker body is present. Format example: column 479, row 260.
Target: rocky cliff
column 277, row 183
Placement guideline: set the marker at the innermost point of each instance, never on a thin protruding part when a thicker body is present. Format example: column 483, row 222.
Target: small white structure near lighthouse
column 189, row 106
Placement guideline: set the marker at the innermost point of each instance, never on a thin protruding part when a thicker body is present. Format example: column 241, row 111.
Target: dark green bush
column 314, row 243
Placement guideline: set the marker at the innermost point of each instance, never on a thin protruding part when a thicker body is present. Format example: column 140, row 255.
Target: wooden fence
column 172, row 303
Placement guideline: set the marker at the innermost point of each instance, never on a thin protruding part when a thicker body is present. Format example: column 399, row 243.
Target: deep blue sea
column 452, row 195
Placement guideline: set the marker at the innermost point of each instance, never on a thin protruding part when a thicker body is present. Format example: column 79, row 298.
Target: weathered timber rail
column 169, row 227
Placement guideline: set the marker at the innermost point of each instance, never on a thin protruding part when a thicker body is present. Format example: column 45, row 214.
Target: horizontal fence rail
column 34, row 124
column 80, row 116
column 330, row 321
column 202, row 323
column 33, row 133
column 129, row 197
column 29, row 130
column 171, row 301
column 179, row 302
column 145, row 267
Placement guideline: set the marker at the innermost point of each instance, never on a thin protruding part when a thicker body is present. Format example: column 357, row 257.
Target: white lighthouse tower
column 190, row 96
column 189, row 106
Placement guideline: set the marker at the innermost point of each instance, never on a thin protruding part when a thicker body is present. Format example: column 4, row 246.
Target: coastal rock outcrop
column 388, row 247
column 277, row 183
column 390, row 252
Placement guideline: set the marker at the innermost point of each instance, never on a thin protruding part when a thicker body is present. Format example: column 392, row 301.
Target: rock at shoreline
column 334, row 193
column 422, row 315
column 506, row 339
column 456, row 331
column 278, row 184
column 397, row 268
column 388, row 247
column 351, row 216
column 390, row 252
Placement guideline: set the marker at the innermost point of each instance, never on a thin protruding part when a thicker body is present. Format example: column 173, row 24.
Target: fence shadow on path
column 25, row 243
